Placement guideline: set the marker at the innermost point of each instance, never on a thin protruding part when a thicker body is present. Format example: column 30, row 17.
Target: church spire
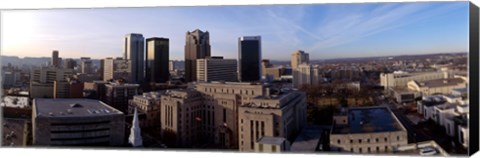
column 135, row 135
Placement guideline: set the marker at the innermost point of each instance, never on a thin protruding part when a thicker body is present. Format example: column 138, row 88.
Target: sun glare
column 17, row 30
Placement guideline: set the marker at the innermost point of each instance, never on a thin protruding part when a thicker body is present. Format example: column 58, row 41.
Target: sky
column 324, row 31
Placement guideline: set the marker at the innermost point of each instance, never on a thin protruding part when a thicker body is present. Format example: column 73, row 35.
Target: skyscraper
column 249, row 56
column 55, row 59
column 86, row 65
column 299, row 57
column 197, row 46
column 115, row 69
column 156, row 68
column 69, row 63
column 134, row 51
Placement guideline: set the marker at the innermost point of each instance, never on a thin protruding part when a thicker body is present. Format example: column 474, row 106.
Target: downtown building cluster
column 219, row 103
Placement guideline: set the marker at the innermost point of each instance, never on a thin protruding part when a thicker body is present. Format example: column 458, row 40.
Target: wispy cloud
column 359, row 25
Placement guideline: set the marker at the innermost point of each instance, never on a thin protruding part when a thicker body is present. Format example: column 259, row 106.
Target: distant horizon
column 379, row 56
column 325, row 31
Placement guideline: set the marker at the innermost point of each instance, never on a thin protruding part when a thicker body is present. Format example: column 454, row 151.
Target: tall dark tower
column 157, row 60
column 197, row 46
column 249, row 58
column 55, row 60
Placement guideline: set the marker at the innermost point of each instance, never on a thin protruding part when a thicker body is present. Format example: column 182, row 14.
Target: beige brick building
column 210, row 113
column 279, row 115
column 148, row 103
column 180, row 121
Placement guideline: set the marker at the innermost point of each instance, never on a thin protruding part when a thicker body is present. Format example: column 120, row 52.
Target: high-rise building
column 134, row 51
column 118, row 93
column 171, row 65
column 306, row 74
column 265, row 64
column 157, row 60
column 55, row 60
column 76, row 122
column 69, row 63
column 197, row 46
column 249, row 58
column 115, row 69
column 216, row 69
column 86, row 65
column 71, row 88
column 42, row 80
column 299, row 57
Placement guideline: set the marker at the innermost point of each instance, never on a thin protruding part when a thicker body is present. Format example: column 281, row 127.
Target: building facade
column 197, row 46
column 306, row 74
column 148, row 103
column 367, row 130
column 42, row 80
column 214, row 111
column 157, row 60
column 76, row 122
column 117, row 94
column 299, row 57
column 216, row 69
column 437, row 86
column 55, row 59
column 118, row 68
column 249, row 58
column 279, row 115
column 401, row 79
column 133, row 49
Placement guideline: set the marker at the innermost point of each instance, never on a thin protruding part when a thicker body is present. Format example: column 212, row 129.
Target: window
column 386, row 148
column 398, row 137
column 274, row 148
column 351, row 149
column 359, row 140
column 338, row 141
column 368, row 149
column 360, row 150
column 368, row 140
column 386, row 139
column 376, row 139
column 224, row 115
column 351, row 140
column 378, row 148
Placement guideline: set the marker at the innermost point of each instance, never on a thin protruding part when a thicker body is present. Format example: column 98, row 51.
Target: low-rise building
column 438, row 86
column 272, row 144
column 76, row 122
column 148, row 103
column 367, row 130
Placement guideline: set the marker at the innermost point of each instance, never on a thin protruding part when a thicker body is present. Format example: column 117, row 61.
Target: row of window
column 339, row 141
column 230, row 91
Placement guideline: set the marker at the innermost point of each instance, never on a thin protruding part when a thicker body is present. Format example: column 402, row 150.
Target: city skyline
column 324, row 31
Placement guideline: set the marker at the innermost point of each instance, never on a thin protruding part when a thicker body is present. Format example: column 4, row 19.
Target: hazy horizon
column 325, row 31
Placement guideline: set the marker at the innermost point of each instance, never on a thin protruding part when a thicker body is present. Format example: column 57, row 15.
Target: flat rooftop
column 426, row 148
column 271, row 140
column 13, row 131
column 368, row 120
column 15, row 102
column 442, row 82
column 307, row 140
column 72, row 108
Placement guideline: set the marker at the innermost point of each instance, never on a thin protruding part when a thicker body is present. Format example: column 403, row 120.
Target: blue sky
column 324, row 30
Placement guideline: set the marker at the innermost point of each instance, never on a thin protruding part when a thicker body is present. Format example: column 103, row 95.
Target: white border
column 72, row 153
